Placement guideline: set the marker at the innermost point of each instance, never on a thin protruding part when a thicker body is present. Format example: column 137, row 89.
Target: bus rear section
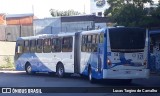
column 126, row 55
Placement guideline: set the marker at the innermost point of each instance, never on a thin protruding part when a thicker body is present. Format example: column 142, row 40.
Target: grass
column 8, row 63
column 6, row 66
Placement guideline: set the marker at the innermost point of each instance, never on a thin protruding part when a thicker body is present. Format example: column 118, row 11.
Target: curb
column 7, row 69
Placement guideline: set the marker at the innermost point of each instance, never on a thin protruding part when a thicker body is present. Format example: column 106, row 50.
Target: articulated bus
column 109, row 53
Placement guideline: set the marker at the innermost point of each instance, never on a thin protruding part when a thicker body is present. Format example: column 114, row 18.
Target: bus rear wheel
column 28, row 68
column 60, row 70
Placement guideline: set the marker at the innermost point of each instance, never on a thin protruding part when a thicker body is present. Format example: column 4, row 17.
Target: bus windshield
column 127, row 39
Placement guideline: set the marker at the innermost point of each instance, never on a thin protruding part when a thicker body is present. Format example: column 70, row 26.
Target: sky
column 41, row 8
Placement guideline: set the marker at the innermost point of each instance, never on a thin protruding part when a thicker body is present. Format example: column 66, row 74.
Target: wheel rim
column 90, row 75
column 29, row 69
column 60, row 71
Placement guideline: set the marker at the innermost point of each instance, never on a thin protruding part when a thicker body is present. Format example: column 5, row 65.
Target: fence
column 12, row 32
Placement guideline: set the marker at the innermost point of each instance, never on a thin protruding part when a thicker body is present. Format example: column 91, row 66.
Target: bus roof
column 42, row 36
column 93, row 31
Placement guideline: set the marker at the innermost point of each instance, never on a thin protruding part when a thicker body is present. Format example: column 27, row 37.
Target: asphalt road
column 21, row 79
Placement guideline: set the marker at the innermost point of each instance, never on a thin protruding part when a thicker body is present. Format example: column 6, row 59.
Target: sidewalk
column 7, row 69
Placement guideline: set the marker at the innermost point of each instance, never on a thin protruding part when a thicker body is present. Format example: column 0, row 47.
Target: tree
column 152, row 19
column 129, row 15
column 56, row 13
column 129, row 12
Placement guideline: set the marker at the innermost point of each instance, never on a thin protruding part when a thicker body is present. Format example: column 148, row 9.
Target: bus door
column 77, row 53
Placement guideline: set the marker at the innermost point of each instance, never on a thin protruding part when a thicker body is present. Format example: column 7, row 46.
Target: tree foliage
column 133, row 13
column 56, row 13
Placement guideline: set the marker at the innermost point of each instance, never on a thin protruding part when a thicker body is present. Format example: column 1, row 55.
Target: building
column 97, row 7
column 16, row 19
column 15, row 25
column 68, row 24
column 47, row 26
column 2, row 19
column 19, row 19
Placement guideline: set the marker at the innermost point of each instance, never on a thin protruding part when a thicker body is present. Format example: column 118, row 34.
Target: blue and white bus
column 109, row 53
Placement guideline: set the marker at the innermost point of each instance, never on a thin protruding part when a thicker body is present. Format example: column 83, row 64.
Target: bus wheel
column 28, row 69
column 60, row 70
column 91, row 79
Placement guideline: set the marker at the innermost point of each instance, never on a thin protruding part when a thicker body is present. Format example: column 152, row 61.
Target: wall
column 12, row 32
column 7, row 49
column 47, row 26
column 77, row 26
column 68, row 24
column 100, row 25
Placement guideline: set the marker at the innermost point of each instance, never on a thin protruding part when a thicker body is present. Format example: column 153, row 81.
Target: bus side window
column 56, row 45
column 93, row 39
column 47, row 45
column 83, row 45
column 39, row 45
column 94, row 43
column 32, row 46
column 101, row 38
column 89, row 43
column 20, row 45
column 26, row 46
column 89, row 39
column 67, row 44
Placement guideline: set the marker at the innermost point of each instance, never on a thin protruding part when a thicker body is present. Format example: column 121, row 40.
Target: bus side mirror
column 19, row 49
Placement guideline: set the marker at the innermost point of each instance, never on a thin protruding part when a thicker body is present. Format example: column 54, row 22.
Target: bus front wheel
column 60, row 70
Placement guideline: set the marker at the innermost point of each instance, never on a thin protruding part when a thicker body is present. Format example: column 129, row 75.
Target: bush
column 8, row 63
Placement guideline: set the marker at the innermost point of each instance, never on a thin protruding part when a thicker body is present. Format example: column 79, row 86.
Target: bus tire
column 28, row 69
column 60, row 70
column 90, row 77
